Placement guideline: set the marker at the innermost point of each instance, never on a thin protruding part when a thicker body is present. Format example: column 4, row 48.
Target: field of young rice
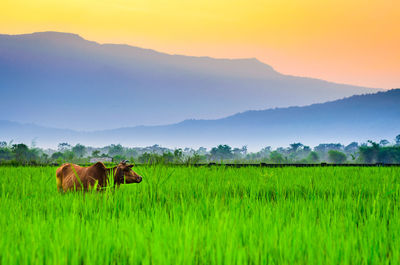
column 216, row 215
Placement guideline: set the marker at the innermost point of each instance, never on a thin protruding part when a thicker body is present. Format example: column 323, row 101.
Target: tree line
column 369, row 152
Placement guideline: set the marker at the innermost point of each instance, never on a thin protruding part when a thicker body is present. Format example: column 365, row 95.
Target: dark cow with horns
column 74, row 177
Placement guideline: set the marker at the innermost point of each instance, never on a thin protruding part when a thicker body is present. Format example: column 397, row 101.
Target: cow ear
column 130, row 166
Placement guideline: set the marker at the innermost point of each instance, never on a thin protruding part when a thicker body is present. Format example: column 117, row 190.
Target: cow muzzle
column 136, row 179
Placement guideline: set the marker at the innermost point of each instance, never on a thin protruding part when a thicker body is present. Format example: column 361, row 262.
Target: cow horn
column 124, row 161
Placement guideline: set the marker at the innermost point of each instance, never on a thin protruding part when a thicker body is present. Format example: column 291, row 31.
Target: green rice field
column 205, row 215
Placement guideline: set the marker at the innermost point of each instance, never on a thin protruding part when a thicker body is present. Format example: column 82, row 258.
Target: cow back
column 72, row 176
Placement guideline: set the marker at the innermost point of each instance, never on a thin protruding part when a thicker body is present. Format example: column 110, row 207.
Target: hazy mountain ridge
column 357, row 118
column 62, row 80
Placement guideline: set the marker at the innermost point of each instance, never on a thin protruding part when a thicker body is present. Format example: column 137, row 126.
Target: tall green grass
column 205, row 215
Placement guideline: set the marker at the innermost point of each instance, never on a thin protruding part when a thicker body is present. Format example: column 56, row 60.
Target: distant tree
column 389, row 154
column 374, row 153
column 145, row 158
column 79, row 150
column 267, row 149
column 156, row 149
column 237, row 152
column 5, row 154
column 34, row 154
column 69, row 155
column 3, row 144
column 21, row 152
column 131, row 152
column 336, row 157
column 276, row 157
column 295, row 146
column 167, row 157
column 57, row 155
column 187, row 151
column 194, row 159
column 306, row 148
column 324, row 148
column 214, row 153
column 351, row 148
column 96, row 153
column 115, row 150
column 383, row 142
column 63, row 147
column 313, row 157
column 221, row 152
column 281, row 150
column 397, row 140
column 153, row 158
column 264, row 152
column 118, row 158
column 244, row 150
column 370, row 153
column 178, row 155
column 45, row 158
column 201, row 151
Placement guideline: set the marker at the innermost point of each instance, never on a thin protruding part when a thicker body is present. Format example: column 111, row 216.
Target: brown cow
column 97, row 173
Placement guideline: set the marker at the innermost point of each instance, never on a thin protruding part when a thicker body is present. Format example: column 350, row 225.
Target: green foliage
column 5, row 154
column 57, row 155
column 384, row 142
column 217, row 215
column 352, row 148
column 153, row 159
column 79, row 150
column 377, row 154
column 22, row 154
column 63, row 147
column 69, row 155
column 115, row 150
column 370, row 152
column 194, row 159
column 178, row 155
column 118, row 158
column 221, row 152
column 96, row 153
column 324, row 148
column 397, row 139
column 295, row 146
column 313, row 157
column 336, row 157
column 276, row 157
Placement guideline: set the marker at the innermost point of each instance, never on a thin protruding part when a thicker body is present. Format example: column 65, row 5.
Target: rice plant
column 216, row 215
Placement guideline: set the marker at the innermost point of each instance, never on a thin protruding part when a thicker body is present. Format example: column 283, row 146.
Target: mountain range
column 357, row 118
column 61, row 80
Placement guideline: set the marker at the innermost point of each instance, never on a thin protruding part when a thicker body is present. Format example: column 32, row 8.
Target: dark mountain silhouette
column 61, row 80
column 357, row 118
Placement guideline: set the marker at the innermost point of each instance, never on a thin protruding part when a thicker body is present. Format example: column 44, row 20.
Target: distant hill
column 64, row 81
column 357, row 118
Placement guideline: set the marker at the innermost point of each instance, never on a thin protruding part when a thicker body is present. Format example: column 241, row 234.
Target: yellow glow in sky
column 353, row 41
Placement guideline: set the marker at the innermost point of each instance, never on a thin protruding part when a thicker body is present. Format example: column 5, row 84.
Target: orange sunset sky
column 346, row 41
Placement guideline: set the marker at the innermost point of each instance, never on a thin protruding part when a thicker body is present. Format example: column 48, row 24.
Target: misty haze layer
column 358, row 118
column 61, row 80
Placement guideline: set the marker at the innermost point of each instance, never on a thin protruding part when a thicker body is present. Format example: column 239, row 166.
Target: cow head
column 125, row 174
